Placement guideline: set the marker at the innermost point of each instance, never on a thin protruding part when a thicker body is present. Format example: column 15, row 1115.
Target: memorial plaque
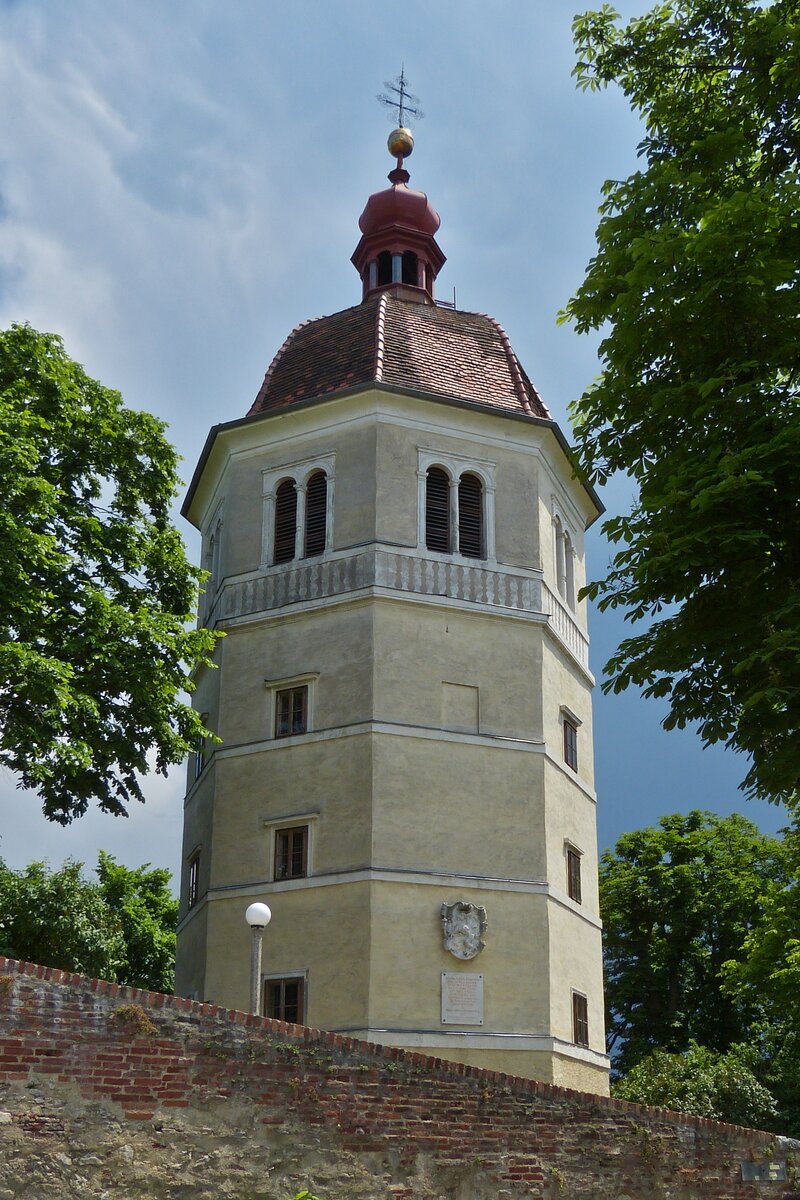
column 771, row 1172
column 462, row 999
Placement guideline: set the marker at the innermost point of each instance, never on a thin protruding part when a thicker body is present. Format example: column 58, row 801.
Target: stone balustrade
column 390, row 570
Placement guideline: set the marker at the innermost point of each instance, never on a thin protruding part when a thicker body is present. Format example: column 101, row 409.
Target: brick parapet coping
column 425, row 1064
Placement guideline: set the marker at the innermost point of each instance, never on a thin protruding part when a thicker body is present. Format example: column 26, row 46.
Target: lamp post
column 258, row 916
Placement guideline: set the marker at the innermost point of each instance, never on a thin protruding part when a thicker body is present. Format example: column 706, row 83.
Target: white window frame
column 291, row 821
column 273, row 686
column 301, row 973
column 570, row 847
column 456, row 465
column 564, row 556
column 299, row 472
column 566, row 714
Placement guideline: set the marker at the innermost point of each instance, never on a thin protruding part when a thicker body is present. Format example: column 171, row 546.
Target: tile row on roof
column 390, row 339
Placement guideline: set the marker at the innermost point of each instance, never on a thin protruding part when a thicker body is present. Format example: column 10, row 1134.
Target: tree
column 60, row 919
column 704, row 1082
column 95, row 587
column 121, row 928
column 696, row 289
column 147, row 913
column 678, row 902
column 766, row 976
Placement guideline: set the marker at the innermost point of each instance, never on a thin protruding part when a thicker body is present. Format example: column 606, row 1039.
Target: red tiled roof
column 387, row 339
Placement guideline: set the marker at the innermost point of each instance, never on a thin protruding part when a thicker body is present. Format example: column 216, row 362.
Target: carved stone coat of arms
column 463, row 927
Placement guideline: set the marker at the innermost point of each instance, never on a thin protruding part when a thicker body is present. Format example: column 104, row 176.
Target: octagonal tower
column 396, row 543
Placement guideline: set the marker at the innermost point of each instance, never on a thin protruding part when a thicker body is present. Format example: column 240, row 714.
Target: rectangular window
column 194, row 879
column 291, row 711
column 201, row 753
column 570, row 744
column 580, row 1020
column 284, row 999
column 291, row 852
column 574, row 875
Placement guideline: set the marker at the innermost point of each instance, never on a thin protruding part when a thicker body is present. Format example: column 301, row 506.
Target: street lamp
column 258, row 916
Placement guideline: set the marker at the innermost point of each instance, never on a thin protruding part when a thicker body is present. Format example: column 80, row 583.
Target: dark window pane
column 574, row 875
column 410, row 267
column 284, row 1000
column 316, row 513
column 292, row 993
column 470, row 516
column 291, row 852
column 570, row 745
column 283, row 701
column 285, row 521
column 299, row 710
column 291, row 711
column 194, row 879
column 384, row 268
column 437, row 510
column 580, row 1020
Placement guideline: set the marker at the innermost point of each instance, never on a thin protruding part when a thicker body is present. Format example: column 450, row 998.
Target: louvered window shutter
column 285, row 521
column 316, row 513
column 470, row 516
column 437, row 510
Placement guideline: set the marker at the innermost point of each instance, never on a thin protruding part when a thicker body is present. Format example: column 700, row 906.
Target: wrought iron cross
column 406, row 103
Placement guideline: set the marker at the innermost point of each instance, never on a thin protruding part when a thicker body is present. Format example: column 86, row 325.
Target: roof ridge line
column 380, row 337
column 263, row 389
column 516, row 374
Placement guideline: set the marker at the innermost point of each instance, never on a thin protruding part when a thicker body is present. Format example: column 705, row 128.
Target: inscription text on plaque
column 462, row 998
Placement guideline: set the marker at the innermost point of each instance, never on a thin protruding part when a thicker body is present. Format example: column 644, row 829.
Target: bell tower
column 395, row 540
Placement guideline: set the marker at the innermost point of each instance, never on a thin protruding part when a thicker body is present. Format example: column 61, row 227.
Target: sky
column 180, row 185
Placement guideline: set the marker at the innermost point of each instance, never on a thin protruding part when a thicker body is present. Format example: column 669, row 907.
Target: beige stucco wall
column 565, row 685
column 333, row 645
column 570, row 817
column 191, row 957
column 405, row 989
column 331, row 779
column 321, row 932
column 454, row 806
column 418, row 648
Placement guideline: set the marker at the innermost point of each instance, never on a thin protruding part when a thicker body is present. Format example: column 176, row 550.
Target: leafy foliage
column 767, row 976
column 121, row 928
column 678, row 901
column 695, row 287
column 60, row 919
column 704, row 1082
column 96, row 589
column 147, row 914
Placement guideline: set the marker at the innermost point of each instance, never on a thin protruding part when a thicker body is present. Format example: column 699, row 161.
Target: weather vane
column 406, row 104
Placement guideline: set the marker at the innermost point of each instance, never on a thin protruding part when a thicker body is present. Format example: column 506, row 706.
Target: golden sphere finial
column 400, row 143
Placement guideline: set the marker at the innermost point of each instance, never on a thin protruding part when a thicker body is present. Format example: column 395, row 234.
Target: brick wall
column 90, row 1064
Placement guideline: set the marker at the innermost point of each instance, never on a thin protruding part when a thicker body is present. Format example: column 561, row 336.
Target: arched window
column 437, row 510
column 316, row 514
column 285, row 522
column 561, row 558
column 212, row 565
column 470, row 516
column 569, row 570
column 384, row 268
column 410, row 268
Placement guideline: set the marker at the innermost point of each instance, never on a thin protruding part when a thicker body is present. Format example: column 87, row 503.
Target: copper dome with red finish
column 399, row 205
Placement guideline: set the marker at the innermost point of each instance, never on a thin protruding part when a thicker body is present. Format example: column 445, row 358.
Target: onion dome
column 397, row 247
